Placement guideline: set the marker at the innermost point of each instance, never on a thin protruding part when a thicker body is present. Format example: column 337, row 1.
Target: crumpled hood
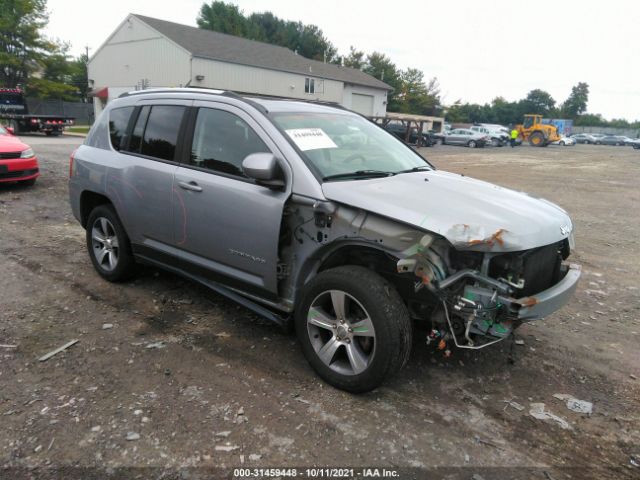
column 469, row 213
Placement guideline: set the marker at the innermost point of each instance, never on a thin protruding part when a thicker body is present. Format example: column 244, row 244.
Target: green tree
column 223, row 17
column 55, row 79
column 21, row 46
column 355, row 59
column 416, row 96
column 537, row 101
column 306, row 40
column 79, row 77
column 576, row 103
column 381, row 67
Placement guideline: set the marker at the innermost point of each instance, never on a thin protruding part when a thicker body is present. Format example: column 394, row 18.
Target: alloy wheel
column 341, row 332
column 104, row 243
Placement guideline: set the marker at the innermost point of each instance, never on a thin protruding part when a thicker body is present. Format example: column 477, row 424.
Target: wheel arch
column 90, row 200
column 345, row 252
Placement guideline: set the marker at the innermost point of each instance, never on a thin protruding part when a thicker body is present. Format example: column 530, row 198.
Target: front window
column 2, row 131
column 347, row 145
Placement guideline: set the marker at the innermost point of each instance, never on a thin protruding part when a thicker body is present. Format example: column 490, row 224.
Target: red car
column 18, row 163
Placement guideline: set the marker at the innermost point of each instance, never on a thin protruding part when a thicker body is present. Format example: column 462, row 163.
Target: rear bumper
column 548, row 301
column 16, row 170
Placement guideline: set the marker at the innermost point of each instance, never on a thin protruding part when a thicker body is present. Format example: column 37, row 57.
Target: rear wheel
column 108, row 245
column 536, row 139
column 354, row 328
column 472, row 144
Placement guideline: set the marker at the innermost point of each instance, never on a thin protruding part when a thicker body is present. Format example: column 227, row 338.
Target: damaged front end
column 483, row 293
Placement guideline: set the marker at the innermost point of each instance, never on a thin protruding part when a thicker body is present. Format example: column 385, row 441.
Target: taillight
column 71, row 158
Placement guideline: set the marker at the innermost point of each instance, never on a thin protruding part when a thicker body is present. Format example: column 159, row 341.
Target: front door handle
column 193, row 186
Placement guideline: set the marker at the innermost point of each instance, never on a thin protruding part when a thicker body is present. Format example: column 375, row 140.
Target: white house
column 146, row 52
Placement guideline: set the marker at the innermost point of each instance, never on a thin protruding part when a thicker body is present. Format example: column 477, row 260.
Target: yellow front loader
column 537, row 134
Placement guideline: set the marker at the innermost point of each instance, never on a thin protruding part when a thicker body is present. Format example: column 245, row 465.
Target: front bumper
column 15, row 170
column 548, row 301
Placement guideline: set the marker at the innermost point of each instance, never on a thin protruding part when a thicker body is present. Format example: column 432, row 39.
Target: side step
column 282, row 320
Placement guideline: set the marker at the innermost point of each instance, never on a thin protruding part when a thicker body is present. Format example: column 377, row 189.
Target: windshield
column 339, row 145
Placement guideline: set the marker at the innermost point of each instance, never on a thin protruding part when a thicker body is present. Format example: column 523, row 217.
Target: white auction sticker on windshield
column 311, row 138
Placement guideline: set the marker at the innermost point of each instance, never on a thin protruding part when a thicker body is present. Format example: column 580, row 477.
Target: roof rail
column 213, row 91
column 232, row 94
column 172, row 90
column 256, row 105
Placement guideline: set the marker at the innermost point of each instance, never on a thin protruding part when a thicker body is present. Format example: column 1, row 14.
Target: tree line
column 45, row 69
column 40, row 65
column 537, row 101
column 411, row 92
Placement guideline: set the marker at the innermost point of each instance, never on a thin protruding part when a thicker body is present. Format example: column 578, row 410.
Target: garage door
column 362, row 104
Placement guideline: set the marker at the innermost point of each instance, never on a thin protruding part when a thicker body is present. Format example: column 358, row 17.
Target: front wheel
column 472, row 144
column 354, row 328
column 108, row 245
column 562, row 144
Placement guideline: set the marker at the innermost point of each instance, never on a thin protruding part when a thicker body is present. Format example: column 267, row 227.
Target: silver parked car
column 497, row 135
column 466, row 137
column 313, row 216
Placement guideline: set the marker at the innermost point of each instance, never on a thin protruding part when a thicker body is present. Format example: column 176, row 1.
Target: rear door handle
column 193, row 186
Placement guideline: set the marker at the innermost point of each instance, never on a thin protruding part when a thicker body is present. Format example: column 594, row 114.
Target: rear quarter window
column 118, row 123
column 98, row 136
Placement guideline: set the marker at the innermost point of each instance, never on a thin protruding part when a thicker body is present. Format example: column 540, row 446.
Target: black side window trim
column 187, row 141
column 182, row 130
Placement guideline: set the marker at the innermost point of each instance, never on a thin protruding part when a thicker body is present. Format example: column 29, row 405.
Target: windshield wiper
column 360, row 174
column 416, row 169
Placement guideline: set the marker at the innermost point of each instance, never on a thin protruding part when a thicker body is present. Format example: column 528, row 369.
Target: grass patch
column 79, row 129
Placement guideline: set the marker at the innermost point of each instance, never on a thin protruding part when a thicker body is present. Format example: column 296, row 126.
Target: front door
column 223, row 221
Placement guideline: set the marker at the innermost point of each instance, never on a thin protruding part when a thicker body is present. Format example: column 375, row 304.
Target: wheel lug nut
column 350, row 329
column 348, row 341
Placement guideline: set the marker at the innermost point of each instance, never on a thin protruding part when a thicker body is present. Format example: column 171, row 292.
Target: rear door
column 145, row 185
column 225, row 225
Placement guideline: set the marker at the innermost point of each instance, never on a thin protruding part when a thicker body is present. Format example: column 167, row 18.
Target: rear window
column 161, row 133
column 118, row 122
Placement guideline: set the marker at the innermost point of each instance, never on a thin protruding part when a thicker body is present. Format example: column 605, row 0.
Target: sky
column 477, row 49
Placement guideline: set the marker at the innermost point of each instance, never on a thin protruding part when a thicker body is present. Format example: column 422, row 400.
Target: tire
column 536, row 139
column 27, row 183
column 106, row 236
column 562, row 144
column 357, row 363
column 496, row 142
column 472, row 144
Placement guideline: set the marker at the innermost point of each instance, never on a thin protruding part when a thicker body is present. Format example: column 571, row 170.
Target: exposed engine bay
column 481, row 294
column 473, row 296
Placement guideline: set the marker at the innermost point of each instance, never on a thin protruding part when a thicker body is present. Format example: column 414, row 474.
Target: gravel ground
column 167, row 375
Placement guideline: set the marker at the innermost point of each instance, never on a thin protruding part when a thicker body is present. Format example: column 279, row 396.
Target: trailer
column 14, row 113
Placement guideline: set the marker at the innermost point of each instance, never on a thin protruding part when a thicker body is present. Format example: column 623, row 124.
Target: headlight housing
column 28, row 153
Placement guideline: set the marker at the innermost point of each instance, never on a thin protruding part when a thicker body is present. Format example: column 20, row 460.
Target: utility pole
column 86, row 73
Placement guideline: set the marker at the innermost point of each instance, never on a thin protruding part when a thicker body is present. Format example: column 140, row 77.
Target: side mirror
column 264, row 169
column 10, row 130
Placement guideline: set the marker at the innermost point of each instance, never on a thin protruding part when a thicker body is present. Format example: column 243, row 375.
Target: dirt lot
column 222, row 377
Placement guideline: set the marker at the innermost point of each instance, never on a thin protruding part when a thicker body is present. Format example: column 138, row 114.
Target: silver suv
column 313, row 216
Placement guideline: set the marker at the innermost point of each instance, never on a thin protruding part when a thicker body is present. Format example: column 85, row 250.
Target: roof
column 228, row 48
